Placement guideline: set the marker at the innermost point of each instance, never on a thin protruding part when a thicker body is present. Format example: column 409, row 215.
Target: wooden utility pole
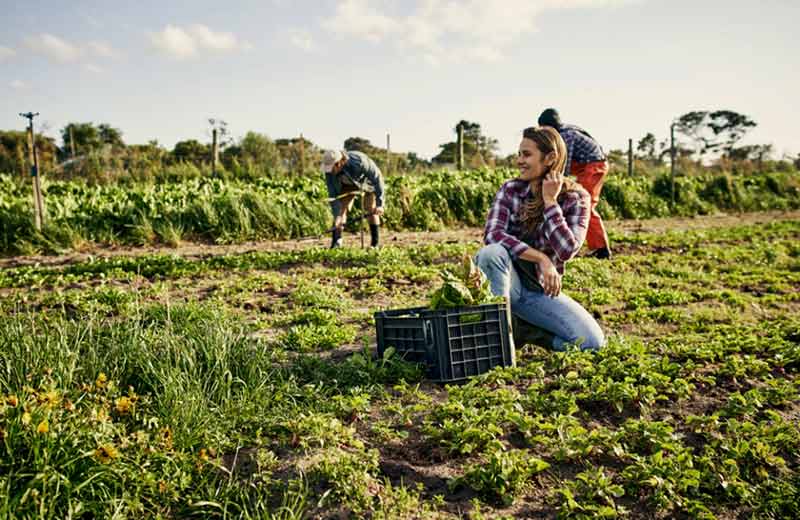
column 71, row 143
column 302, row 154
column 38, row 202
column 219, row 129
column 460, row 147
column 214, row 151
column 630, row 157
column 388, row 154
column 672, row 159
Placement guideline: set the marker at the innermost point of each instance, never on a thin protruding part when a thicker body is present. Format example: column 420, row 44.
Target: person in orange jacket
column 587, row 161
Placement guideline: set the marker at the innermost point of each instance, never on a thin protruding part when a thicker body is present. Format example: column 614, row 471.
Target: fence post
column 460, row 147
column 214, row 151
column 672, row 160
column 630, row 157
column 71, row 143
column 38, row 202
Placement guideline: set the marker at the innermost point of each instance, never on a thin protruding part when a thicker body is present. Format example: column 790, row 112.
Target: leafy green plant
column 591, row 495
column 467, row 285
column 504, row 474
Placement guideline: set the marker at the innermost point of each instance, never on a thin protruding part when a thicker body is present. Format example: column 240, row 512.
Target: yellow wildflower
column 105, row 453
column 43, row 427
column 123, row 405
column 12, row 401
column 26, row 418
column 101, row 381
column 203, row 455
column 49, row 399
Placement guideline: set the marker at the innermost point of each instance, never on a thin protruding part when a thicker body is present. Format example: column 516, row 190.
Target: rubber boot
column 374, row 231
column 336, row 239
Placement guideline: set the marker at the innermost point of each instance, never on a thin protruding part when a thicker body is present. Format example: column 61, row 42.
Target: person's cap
column 329, row 158
column 550, row 117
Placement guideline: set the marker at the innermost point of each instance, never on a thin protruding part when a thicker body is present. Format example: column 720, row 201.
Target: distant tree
column 358, row 144
column 14, row 154
column 400, row 162
column 259, row 148
column 646, row 148
column 192, row 151
column 255, row 152
column 729, row 127
column 714, row 132
column 478, row 148
column 110, row 135
column 84, row 137
column 290, row 152
column 415, row 162
column 617, row 156
column 752, row 152
column 151, row 151
column 89, row 138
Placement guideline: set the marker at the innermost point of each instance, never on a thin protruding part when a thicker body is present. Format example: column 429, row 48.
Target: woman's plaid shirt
column 559, row 236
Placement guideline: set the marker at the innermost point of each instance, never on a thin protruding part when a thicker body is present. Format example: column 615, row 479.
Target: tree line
column 98, row 151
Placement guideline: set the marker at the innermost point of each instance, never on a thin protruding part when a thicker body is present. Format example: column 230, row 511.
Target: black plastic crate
column 454, row 343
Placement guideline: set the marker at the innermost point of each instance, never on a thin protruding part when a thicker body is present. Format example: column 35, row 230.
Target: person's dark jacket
column 359, row 171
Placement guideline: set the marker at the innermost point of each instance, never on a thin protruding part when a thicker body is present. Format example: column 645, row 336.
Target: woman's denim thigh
column 562, row 316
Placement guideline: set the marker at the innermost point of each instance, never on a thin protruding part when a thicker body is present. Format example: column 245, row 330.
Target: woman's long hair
column 547, row 140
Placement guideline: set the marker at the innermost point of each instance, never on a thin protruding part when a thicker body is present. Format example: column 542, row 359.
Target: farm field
column 206, row 210
column 241, row 382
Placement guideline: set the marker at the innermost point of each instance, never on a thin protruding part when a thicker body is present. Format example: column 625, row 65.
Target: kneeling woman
column 538, row 222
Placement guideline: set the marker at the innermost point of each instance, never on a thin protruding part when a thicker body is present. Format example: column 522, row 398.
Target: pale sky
column 333, row 69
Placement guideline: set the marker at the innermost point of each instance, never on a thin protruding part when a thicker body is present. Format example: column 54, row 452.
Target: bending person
column 346, row 174
column 536, row 224
column 587, row 162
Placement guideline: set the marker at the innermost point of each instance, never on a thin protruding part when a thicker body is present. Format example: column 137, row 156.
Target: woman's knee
column 594, row 339
column 492, row 255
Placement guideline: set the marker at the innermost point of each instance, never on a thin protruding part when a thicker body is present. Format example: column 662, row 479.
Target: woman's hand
column 549, row 277
column 551, row 187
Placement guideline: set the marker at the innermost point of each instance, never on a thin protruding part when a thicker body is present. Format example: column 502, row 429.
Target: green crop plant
column 503, row 475
column 159, row 385
column 667, row 478
column 592, row 494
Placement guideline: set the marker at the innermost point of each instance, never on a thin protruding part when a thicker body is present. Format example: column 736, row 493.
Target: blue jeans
column 562, row 316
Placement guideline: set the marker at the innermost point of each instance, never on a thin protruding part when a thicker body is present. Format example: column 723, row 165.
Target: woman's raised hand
column 551, row 187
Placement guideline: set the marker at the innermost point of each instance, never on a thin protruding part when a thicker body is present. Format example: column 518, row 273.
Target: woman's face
column 532, row 163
